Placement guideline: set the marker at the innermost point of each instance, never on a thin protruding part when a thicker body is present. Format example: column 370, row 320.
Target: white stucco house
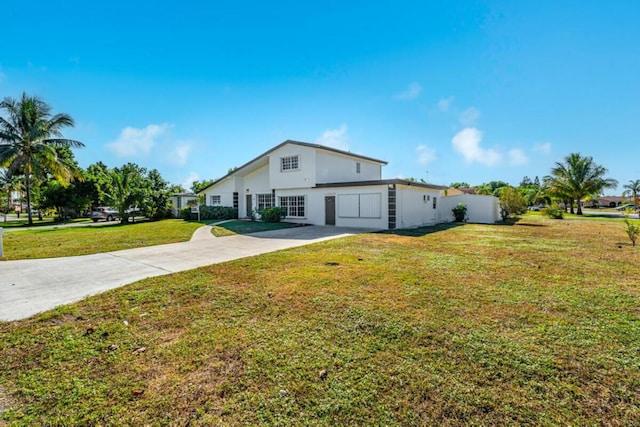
column 321, row 185
column 180, row 200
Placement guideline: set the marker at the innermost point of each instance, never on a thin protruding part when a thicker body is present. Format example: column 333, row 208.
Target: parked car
column 625, row 207
column 536, row 208
column 104, row 212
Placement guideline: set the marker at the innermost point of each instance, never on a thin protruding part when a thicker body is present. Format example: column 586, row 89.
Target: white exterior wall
column 480, row 208
column 414, row 206
column 256, row 182
column 303, row 177
column 345, row 217
column 365, row 207
column 334, row 167
column 225, row 190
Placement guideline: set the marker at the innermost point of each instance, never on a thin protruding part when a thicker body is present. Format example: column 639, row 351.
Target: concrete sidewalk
column 28, row 287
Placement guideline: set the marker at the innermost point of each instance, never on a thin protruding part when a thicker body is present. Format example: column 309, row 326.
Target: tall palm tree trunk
column 28, row 188
column 8, row 205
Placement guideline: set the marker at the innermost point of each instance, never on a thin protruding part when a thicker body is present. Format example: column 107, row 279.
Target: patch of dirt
column 6, row 402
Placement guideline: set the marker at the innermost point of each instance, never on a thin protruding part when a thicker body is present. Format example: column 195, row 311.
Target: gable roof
column 261, row 160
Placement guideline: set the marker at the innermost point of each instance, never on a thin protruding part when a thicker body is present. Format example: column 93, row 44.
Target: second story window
column 289, row 163
column 358, row 167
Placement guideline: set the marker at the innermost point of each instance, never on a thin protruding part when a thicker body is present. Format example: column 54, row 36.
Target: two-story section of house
column 321, row 185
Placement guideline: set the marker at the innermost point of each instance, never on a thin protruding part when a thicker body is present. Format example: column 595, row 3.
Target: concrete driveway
column 28, row 287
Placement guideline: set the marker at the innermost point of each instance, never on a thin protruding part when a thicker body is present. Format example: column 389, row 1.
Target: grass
column 46, row 221
column 531, row 323
column 247, row 227
column 60, row 242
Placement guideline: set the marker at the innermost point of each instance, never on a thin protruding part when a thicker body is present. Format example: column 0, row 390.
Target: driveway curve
column 28, row 287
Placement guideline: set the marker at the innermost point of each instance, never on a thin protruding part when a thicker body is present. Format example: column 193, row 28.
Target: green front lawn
column 534, row 323
column 247, row 227
column 70, row 241
column 23, row 221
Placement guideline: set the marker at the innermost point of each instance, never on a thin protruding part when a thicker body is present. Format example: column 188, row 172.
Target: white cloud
column 517, row 157
column 181, row 153
column 467, row 142
column 336, row 138
column 425, row 154
column 133, row 141
column 445, row 103
column 543, row 147
column 188, row 181
column 470, row 116
column 413, row 91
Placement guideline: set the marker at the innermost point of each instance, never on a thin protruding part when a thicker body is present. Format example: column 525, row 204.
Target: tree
column 29, row 138
column 157, row 198
column 512, row 202
column 578, row 177
column 526, row 181
column 633, row 189
column 412, row 179
column 201, row 185
column 459, row 185
column 122, row 196
column 490, row 188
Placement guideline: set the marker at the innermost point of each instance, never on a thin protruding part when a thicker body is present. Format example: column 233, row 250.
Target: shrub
column 512, row 202
column 274, row 214
column 210, row 212
column 460, row 212
column 554, row 211
column 633, row 231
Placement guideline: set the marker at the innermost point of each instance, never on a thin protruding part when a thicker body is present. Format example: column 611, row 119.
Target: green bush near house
column 210, row 212
column 274, row 214
column 460, row 212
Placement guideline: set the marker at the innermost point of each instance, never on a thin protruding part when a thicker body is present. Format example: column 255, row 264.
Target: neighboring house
column 321, row 185
column 605, row 202
column 179, row 201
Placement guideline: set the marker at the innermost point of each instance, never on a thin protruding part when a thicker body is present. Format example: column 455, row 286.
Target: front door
column 249, row 206
column 330, row 210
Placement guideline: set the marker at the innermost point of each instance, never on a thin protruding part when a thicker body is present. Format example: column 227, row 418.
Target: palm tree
column 578, row 177
column 633, row 189
column 123, row 192
column 29, row 137
column 9, row 183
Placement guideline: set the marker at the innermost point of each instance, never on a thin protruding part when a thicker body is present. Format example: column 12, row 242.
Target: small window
column 289, row 163
column 357, row 167
column 435, row 199
column 215, row 200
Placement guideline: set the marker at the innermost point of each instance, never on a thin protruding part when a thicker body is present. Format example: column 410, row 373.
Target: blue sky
column 445, row 91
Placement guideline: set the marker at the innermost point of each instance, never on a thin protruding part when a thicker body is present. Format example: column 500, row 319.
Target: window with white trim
column 289, row 163
column 264, row 201
column 293, row 205
column 357, row 167
column 215, row 200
